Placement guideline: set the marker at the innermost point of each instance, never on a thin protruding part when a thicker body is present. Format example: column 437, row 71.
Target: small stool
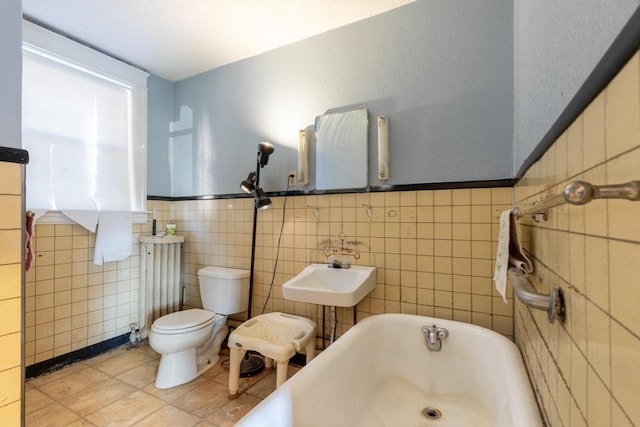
column 277, row 336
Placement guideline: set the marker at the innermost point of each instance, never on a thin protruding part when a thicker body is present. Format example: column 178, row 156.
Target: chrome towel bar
column 553, row 303
column 580, row 193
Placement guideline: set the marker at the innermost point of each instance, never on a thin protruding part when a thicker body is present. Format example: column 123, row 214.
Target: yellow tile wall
column 433, row 250
column 11, row 219
column 72, row 303
column 586, row 371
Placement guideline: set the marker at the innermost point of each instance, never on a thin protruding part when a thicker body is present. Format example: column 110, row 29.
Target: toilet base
column 179, row 368
column 176, row 369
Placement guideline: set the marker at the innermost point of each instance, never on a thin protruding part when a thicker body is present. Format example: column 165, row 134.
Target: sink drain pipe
column 334, row 322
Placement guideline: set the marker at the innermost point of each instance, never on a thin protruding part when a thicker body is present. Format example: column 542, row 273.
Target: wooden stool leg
column 282, row 370
column 234, row 371
column 310, row 349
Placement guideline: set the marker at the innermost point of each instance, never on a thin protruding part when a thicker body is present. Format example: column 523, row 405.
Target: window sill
column 57, row 217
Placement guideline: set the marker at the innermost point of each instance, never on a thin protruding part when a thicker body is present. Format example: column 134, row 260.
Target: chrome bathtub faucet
column 434, row 336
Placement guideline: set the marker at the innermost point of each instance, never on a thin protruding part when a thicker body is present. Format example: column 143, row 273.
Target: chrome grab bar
column 552, row 303
column 580, row 193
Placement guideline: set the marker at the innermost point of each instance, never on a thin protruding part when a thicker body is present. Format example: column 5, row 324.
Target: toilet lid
column 194, row 318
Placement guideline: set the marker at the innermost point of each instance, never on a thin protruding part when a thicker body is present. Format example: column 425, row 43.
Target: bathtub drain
column 431, row 413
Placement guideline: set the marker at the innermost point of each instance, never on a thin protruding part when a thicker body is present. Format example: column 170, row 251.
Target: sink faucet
column 338, row 253
column 339, row 262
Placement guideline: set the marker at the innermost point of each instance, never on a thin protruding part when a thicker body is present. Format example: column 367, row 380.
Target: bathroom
column 454, row 165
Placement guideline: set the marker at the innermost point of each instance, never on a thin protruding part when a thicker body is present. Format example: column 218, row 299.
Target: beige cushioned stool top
column 274, row 335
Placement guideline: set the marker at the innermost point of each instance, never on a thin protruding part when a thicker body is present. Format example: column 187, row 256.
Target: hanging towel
column 509, row 252
column 517, row 256
column 28, row 239
column 29, row 230
column 87, row 219
column 114, row 237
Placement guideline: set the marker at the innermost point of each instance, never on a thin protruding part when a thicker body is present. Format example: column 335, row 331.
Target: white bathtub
column 380, row 373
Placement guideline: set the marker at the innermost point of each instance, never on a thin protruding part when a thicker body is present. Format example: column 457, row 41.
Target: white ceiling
column 176, row 39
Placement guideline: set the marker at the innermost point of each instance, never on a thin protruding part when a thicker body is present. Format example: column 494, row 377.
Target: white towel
column 87, row 219
column 114, row 237
column 517, row 256
column 509, row 252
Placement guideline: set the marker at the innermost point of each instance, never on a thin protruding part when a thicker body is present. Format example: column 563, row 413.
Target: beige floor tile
column 204, row 400
column 51, row 416
column 169, row 416
column 72, row 384
column 267, row 384
column 82, row 423
column 101, row 358
column 294, row 369
column 148, row 351
column 98, row 396
column 127, row 411
column 244, row 383
column 123, row 363
column 171, row 394
column 221, row 366
column 53, row 376
column 86, row 389
column 230, row 413
column 264, row 387
column 35, row 399
column 140, row 376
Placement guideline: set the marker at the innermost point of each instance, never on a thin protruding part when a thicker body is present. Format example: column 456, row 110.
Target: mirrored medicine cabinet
column 341, row 150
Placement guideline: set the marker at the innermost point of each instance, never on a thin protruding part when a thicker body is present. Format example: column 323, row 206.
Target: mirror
column 341, row 150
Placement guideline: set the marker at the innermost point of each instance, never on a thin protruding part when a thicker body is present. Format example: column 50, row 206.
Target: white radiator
column 160, row 287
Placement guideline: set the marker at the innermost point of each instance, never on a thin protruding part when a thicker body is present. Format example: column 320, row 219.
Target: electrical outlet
column 293, row 179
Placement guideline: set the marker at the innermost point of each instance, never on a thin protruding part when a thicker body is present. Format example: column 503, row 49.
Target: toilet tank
column 224, row 290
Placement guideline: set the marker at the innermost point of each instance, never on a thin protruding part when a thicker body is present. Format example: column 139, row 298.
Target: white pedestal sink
column 339, row 287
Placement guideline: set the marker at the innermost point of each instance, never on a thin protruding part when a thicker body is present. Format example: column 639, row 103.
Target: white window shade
column 84, row 125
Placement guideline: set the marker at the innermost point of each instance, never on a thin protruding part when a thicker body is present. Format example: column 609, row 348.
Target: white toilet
column 189, row 341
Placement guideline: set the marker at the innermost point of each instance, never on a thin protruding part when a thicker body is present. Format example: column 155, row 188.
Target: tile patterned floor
column 116, row 389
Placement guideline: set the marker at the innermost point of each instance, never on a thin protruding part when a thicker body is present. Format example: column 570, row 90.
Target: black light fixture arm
column 253, row 236
column 265, row 149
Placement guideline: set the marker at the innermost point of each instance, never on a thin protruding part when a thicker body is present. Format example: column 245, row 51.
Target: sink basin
column 340, row 287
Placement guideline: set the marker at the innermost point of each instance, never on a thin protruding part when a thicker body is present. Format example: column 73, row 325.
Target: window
column 84, row 118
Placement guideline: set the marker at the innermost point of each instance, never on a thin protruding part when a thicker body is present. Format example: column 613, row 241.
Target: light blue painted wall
column 441, row 70
column 471, row 87
column 10, row 73
column 557, row 44
column 160, row 115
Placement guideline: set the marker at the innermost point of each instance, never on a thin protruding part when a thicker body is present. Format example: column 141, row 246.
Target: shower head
column 264, row 150
column 248, row 185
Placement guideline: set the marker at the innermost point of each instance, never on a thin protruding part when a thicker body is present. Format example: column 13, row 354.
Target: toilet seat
column 182, row 322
